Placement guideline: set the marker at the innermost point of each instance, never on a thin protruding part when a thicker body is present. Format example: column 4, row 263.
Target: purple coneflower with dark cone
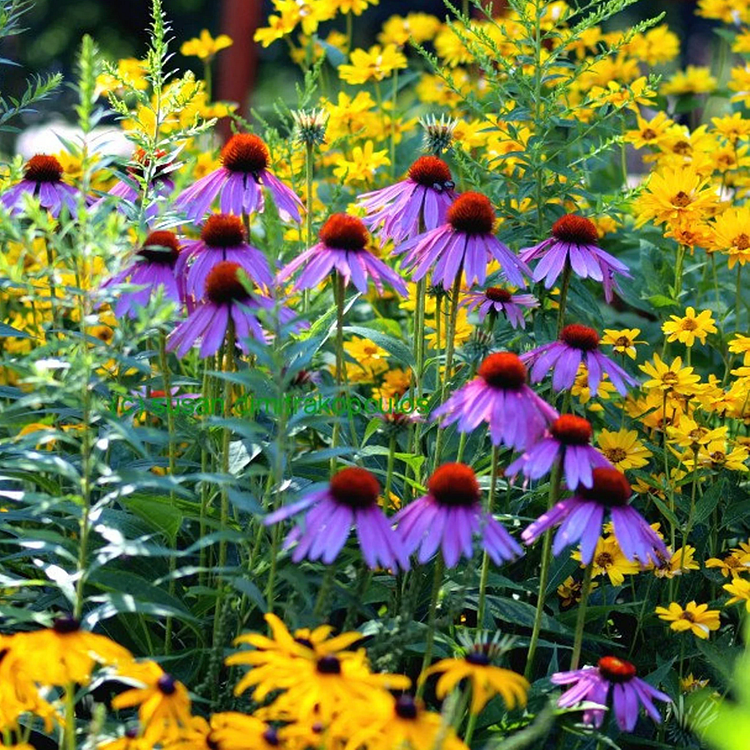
column 465, row 242
column 569, row 442
column 574, row 241
column 576, row 344
column 580, row 518
column 343, row 248
column 517, row 417
column 222, row 238
column 497, row 300
column 449, row 516
column 238, row 183
column 152, row 267
column 425, row 194
column 129, row 188
column 42, row 179
column 351, row 499
column 592, row 684
column 226, row 297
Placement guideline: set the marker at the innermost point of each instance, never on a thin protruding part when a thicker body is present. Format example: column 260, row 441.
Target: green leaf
column 392, row 345
column 157, row 512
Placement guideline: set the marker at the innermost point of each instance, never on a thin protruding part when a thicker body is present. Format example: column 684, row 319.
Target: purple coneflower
column 465, row 242
column 567, row 441
column 426, row 194
column 497, row 300
column 129, row 188
column 225, row 297
column 449, row 516
column 222, row 238
column 342, row 247
column 592, row 684
column 239, row 182
column 153, row 266
column 351, row 499
column 517, row 417
column 42, row 179
column 575, row 344
column 574, row 241
column 580, row 518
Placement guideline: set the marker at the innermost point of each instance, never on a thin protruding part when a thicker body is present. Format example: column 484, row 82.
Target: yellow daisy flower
column 690, row 327
column 623, row 449
column 672, row 378
column 730, row 234
column 693, row 80
column 735, row 564
column 740, row 590
column 622, row 341
column 374, row 65
column 697, row 618
column 609, row 560
column 205, row 46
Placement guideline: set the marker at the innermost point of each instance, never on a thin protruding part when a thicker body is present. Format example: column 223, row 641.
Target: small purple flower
column 497, row 300
column 222, row 238
column 43, row 179
column 465, row 243
column 226, row 298
column 414, row 205
column 129, row 188
column 580, row 518
column 567, row 441
column 576, row 344
column 351, row 499
column 449, row 516
column 517, row 417
column 342, row 247
column 574, row 241
column 592, row 684
column 153, row 266
column 239, row 182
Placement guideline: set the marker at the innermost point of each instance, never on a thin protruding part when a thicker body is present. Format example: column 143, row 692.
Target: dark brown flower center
column 498, row 294
column 576, row 229
column 503, row 370
column 454, row 485
column 223, row 284
column 244, row 152
column 616, row 670
column 328, row 665
column 67, row 624
column 478, row 658
column 580, row 337
column 610, row 488
column 472, row 213
column 431, row 172
column 742, row 241
column 223, row 230
column 166, row 685
column 355, row 487
column 681, row 200
column 344, row 232
column 406, row 707
column 603, row 559
column 271, row 736
column 43, row 168
column 648, row 134
column 160, row 247
column 571, row 430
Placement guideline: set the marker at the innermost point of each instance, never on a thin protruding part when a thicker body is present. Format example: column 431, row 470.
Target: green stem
column 581, row 621
column 389, row 471
column 552, row 498
column 437, row 581
column 482, row 600
column 678, row 271
column 308, row 212
column 563, row 297
column 738, row 299
column 338, row 293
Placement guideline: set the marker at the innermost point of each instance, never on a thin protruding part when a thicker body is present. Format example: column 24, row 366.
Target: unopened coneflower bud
column 478, row 347
column 438, row 134
column 310, row 126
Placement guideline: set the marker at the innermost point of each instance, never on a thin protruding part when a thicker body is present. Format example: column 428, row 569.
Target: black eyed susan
column 486, row 679
column 130, row 740
column 689, row 327
column 64, row 653
column 163, row 702
column 740, row 590
column 236, row 731
column 697, row 618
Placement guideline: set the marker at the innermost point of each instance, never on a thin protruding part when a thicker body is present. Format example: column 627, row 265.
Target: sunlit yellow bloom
column 462, row 334
column 278, row 27
column 609, row 560
column 365, row 352
column 740, row 82
column 582, row 391
column 351, row 6
column 362, row 165
column 690, row 327
column 650, row 131
column 205, row 47
column 731, row 234
column 395, row 384
column 130, row 74
column 690, row 684
column 740, row 590
column 735, row 564
column 678, row 563
column 374, row 65
column 717, row 455
column 569, row 591
column 232, row 730
column 623, row 449
column 693, row 80
column 621, row 95
column 419, row 27
column 486, row 680
column 732, row 127
column 670, row 378
column 689, row 434
column 622, row 341
column 674, row 195
column 722, row 10
column 163, row 702
column 697, row 618
column 450, row 46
